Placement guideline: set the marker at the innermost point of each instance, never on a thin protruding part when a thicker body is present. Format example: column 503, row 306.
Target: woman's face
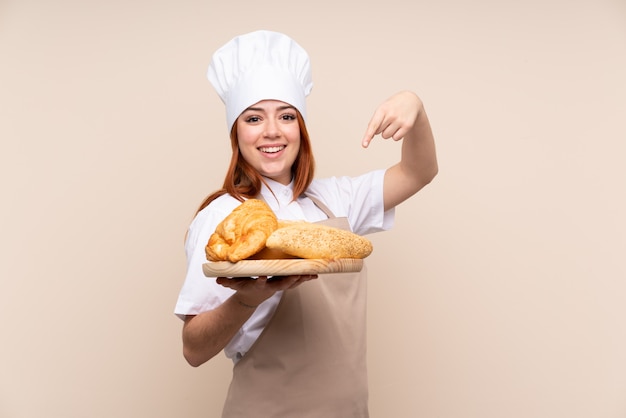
column 269, row 138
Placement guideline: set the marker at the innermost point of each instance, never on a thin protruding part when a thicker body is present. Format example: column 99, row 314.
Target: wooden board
column 284, row 267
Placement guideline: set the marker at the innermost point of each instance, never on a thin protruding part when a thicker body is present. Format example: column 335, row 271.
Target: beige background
column 500, row 293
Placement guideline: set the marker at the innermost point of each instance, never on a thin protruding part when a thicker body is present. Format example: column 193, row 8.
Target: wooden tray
column 283, row 267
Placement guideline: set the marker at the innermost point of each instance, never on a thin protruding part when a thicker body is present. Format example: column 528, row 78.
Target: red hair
column 242, row 181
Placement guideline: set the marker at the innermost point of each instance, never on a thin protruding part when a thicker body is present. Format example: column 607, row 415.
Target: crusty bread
column 252, row 231
column 310, row 240
column 242, row 233
column 270, row 254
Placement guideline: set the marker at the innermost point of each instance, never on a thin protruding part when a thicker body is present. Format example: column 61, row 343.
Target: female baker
column 298, row 344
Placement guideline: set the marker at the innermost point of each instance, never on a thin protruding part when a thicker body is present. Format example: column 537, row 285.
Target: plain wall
column 500, row 292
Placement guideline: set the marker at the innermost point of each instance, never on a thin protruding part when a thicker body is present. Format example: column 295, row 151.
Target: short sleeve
column 360, row 199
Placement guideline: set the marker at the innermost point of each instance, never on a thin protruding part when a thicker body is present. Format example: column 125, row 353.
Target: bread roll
column 310, row 240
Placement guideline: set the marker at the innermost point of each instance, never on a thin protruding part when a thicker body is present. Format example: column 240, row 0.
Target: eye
column 252, row 119
column 288, row 116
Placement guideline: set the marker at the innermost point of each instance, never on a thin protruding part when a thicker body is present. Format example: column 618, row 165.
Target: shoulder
column 359, row 198
column 205, row 221
column 219, row 208
column 346, row 188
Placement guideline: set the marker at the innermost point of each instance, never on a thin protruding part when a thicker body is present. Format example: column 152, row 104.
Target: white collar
column 282, row 194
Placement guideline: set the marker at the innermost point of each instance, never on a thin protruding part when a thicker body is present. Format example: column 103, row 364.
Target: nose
column 272, row 129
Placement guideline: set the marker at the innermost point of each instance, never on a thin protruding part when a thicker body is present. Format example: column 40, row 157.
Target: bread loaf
column 310, row 240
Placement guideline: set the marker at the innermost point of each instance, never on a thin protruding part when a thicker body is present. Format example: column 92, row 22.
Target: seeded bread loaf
column 310, row 240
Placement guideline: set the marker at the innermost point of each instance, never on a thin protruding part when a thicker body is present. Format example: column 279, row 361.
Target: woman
column 298, row 344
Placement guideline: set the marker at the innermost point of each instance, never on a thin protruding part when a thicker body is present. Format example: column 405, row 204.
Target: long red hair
column 242, row 181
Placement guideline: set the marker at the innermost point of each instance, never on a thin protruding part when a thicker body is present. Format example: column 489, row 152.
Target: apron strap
column 321, row 205
column 315, row 200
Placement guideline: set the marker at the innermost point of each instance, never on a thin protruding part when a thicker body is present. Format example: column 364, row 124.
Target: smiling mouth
column 272, row 150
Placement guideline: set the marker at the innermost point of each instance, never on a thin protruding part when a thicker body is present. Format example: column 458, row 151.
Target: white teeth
column 272, row 149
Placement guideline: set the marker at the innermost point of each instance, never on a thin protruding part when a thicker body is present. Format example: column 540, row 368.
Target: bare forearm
column 206, row 334
column 417, row 166
column 419, row 159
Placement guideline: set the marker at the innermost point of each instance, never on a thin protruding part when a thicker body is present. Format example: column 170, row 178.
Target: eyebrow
column 260, row 109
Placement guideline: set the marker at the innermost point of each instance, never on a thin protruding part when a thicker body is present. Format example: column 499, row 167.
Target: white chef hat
column 260, row 65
